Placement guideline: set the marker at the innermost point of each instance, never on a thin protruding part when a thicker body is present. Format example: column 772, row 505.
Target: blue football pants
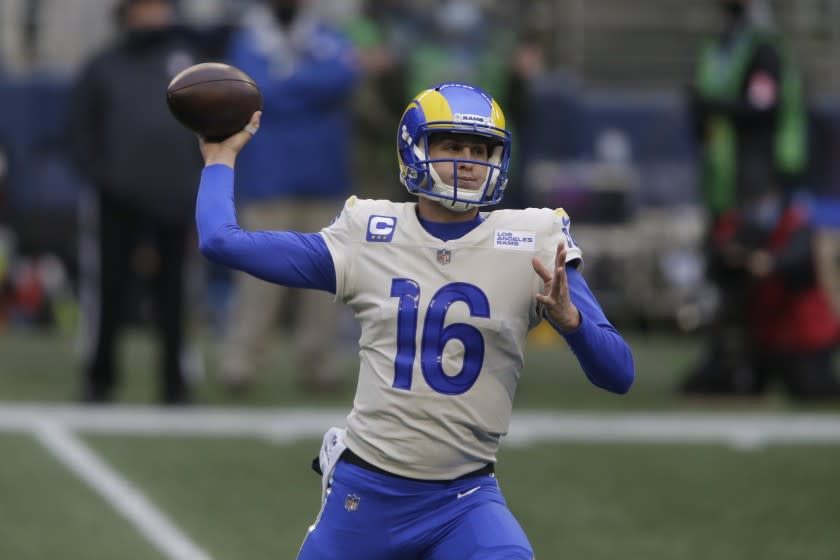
column 373, row 516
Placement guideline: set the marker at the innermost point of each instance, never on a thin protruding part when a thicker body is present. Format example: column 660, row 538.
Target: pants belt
column 350, row 457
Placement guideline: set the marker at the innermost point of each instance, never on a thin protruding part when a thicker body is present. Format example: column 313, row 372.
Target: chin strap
column 455, row 205
column 439, row 187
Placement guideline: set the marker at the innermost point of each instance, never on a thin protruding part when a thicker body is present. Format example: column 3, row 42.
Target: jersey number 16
column 435, row 336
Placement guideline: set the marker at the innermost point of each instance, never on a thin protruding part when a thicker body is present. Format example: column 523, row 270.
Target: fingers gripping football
column 225, row 152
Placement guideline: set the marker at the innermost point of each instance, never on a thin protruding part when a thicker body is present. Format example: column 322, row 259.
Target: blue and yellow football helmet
column 453, row 108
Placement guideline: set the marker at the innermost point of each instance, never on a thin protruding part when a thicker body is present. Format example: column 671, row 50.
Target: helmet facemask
column 421, row 177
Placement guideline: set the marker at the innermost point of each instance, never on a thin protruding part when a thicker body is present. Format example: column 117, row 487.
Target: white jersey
column 443, row 328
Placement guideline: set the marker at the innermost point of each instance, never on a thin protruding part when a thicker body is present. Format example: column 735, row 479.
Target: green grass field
column 44, row 367
column 253, row 498
column 243, row 498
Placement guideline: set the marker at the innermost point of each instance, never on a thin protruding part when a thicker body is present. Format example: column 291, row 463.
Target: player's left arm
column 571, row 308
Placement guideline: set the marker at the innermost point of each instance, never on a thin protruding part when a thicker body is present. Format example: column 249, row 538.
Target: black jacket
column 122, row 135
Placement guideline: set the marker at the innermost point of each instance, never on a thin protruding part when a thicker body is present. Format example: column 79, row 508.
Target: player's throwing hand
column 556, row 300
column 226, row 151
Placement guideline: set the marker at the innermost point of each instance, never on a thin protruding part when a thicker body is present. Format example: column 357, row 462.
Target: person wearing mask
column 766, row 250
column 140, row 163
column 750, row 122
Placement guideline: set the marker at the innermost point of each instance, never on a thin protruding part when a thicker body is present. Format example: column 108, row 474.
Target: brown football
column 214, row 100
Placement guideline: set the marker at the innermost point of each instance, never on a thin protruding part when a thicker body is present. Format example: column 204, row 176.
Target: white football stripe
column 527, row 427
column 121, row 494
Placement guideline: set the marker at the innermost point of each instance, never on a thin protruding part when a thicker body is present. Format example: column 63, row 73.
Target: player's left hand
column 555, row 297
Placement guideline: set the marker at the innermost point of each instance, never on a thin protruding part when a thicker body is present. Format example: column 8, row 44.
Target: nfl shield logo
column 444, row 256
column 351, row 502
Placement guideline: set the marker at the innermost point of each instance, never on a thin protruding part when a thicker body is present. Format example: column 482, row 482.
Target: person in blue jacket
column 305, row 70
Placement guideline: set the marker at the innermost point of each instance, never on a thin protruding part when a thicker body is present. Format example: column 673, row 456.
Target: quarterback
column 445, row 294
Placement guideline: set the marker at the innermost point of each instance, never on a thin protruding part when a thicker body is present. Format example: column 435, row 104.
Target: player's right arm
column 289, row 258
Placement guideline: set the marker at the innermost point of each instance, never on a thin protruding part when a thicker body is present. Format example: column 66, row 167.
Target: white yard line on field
column 283, row 424
column 527, row 427
column 121, row 494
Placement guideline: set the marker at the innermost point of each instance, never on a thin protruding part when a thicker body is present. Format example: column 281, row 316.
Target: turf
column 43, row 366
column 252, row 499
column 46, row 512
column 686, row 502
column 237, row 498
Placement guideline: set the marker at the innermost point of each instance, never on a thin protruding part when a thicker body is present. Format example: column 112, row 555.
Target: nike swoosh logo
column 468, row 492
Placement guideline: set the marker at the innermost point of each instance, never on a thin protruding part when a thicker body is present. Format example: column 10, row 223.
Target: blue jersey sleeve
column 289, row 258
column 603, row 354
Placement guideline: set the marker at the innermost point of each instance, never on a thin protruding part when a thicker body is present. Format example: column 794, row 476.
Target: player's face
column 463, row 147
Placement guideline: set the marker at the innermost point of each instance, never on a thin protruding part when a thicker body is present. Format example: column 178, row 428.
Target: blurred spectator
column 294, row 176
column 748, row 109
column 766, row 252
column 751, row 125
column 377, row 99
column 144, row 168
column 4, row 176
column 527, row 65
column 456, row 40
column 6, row 243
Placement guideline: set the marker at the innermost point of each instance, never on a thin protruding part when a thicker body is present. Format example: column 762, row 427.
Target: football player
column 445, row 294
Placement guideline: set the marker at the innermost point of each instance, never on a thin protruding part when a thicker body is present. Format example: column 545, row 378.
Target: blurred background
column 727, row 289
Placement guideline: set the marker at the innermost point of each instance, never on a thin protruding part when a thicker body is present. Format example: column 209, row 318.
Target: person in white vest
column 445, row 294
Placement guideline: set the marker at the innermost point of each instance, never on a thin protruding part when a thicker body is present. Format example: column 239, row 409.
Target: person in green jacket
column 750, row 121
